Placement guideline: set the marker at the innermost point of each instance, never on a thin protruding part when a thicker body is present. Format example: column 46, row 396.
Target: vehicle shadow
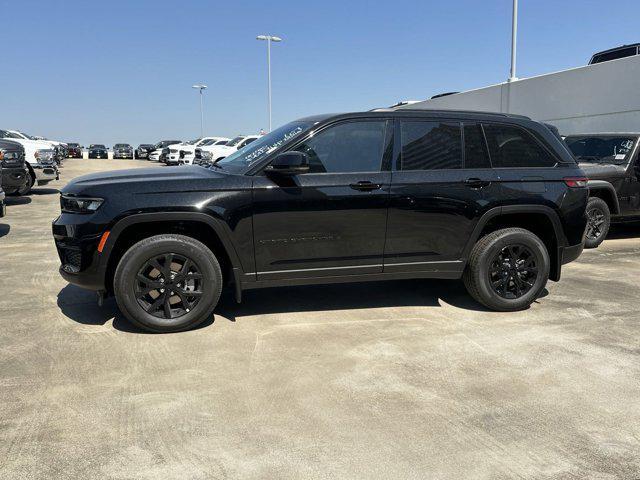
column 348, row 296
column 11, row 201
column 624, row 230
column 4, row 229
column 81, row 306
column 44, row 191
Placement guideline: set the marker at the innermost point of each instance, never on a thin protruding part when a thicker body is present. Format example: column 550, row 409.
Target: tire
column 598, row 222
column 27, row 188
column 144, row 302
column 489, row 269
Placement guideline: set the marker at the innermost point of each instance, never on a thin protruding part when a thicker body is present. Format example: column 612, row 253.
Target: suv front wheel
column 168, row 283
column 507, row 269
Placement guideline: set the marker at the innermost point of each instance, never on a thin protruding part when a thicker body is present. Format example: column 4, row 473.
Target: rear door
column 435, row 202
column 330, row 221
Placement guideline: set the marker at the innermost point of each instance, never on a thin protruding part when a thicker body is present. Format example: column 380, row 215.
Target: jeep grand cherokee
column 494, row 199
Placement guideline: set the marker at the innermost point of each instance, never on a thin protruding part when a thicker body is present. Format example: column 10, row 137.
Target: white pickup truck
column 213, row 153
column 59, row 148
column 40, row 157
column 184, row 153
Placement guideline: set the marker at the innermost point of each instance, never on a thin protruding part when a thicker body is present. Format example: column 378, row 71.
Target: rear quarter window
column 513, row 147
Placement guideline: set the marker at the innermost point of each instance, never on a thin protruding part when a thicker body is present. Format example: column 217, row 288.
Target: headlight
column 70, row 204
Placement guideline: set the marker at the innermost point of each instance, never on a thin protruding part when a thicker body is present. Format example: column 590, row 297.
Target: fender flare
column 217, row 225
column 603, row 185
column 551, row 214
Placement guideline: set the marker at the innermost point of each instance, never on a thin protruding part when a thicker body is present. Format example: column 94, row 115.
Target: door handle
column 365, row 186
column 476, row 183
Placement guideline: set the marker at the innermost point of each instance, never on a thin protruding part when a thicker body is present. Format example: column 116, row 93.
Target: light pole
column 514, row 36
column 269, row 39
column 201, row 88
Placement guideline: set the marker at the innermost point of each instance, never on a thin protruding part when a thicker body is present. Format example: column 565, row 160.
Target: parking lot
column 408, row 379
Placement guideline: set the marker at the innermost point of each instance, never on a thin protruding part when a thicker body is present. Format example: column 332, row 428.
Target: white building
column 604, row 97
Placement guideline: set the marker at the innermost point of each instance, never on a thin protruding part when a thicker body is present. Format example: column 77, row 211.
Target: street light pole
column 269, row 39
column 201, row 87
column 514, row 36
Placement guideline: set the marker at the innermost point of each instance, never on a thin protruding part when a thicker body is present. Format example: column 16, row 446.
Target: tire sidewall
column 593, row 203
column 486, row 258
column 133, row 260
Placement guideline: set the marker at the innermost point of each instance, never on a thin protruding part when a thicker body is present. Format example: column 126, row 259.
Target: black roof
column 617, row 48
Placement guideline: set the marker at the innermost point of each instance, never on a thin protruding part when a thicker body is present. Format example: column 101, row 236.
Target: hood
column 597, row 171
column 35, row 144
column 146, row 180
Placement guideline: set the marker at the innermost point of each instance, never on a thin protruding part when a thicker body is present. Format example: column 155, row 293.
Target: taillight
column 576, row 182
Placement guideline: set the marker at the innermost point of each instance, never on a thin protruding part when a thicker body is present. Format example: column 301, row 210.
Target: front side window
column 512, row 147
column 346, row 147
column 429, row 145
column 607, row 149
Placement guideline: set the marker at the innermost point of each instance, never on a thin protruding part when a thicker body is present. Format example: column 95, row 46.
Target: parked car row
column 40, row 158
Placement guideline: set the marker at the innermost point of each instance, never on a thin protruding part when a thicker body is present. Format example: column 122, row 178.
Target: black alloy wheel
column 169, row 286
column 595, row 223
column 513, row 271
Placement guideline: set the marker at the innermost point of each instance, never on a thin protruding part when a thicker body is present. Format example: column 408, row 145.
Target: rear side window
column 431, row 145
column 512, row 147
column 620, row 53
column 475, row 148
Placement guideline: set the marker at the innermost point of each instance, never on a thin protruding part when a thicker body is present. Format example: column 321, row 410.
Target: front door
column 330, row 221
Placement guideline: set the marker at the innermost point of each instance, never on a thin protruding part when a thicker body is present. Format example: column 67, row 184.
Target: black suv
column 143, row 150
column 98, row 151
column 610, row 161
column 494, row 199
column 15, row 177
column 122, row 150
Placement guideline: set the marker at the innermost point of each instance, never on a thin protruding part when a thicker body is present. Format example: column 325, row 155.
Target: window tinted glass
column 431, row 145
column 513, row 147
column 623, row 52
column 475, row 148
column 348, row 147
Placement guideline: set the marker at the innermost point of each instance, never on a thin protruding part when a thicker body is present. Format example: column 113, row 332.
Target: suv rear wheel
column 507, row 269
column 168, row 283
column 598, row 222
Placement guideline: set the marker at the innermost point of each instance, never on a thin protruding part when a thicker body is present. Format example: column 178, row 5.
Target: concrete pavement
column 407, row 379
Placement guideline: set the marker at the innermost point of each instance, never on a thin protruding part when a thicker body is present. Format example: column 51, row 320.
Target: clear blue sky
column 121, row 71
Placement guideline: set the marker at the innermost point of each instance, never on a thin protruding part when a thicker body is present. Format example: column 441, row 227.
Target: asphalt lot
column 404, row 379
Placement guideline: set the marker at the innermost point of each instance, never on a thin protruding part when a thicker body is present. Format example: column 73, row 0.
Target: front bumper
column 123, row 155
column 45, row 173
column 77, row 240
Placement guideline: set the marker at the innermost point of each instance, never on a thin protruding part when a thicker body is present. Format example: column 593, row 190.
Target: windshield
column 210, row 141
column 235, row 141
column 611, row 149
column 121, row 145
column 5, row 134
column 97, row 146
column 222, row 142
column 193, row 142
column 241, row 160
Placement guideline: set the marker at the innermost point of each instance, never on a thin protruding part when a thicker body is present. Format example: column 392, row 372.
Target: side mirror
column 289, row 163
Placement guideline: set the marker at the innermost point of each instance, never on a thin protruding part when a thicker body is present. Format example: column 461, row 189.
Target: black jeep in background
column 494, row 199
column 610, row 161
column 98, row 151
